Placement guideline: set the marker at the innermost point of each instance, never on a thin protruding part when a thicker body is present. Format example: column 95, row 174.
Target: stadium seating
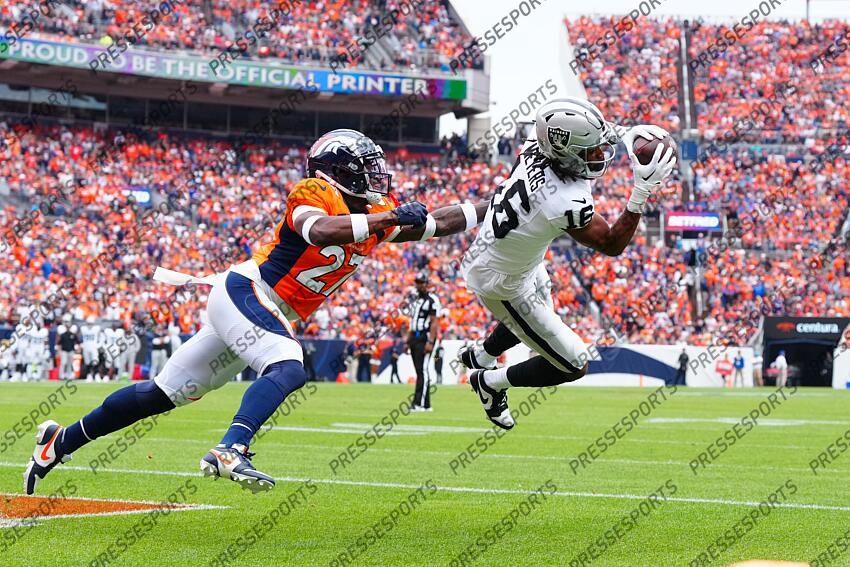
column 610, row 80
column 788, row 196
column 746, row 74
column 237, row 197
column 309, row 32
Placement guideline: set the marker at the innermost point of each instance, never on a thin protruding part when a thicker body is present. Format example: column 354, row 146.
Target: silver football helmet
column 575, row 137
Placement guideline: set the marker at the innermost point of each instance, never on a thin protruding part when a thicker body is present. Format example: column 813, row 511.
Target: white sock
column 497, row 379
column 483, row 358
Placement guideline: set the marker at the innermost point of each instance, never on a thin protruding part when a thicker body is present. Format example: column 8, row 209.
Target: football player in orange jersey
column 333, row 219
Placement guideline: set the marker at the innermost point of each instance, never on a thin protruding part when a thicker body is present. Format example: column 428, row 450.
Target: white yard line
column 349, row 431
column 565, row 459
column 760, row 394
column 520, row 435
column 477, row 490
column 732, row 420
column 417, row 428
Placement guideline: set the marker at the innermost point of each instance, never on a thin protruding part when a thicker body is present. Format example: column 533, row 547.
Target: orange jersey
column 304, row 275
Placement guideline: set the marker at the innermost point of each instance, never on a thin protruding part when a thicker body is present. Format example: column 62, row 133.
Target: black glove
column 413, row 214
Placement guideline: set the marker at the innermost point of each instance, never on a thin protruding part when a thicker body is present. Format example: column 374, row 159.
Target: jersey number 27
column 309, row 277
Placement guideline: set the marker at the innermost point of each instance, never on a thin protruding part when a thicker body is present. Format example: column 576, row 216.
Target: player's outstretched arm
column 445, row 221
column 612, row 240
column 321, row 229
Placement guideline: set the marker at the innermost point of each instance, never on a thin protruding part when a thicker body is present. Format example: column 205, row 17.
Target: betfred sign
column 693, row 222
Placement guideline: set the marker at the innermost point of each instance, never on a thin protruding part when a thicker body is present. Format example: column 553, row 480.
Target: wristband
column 430, row 227
column 470, row 214
column 637, row 200
column 634, row 207
column 305, row 228
column 359, row 227
column 395, row 232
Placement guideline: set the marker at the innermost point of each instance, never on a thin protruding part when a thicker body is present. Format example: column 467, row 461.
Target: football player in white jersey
column 548, row 194
column 37, row 353
column 111, row 349
column 129, row 352
column 19, row 348
column 45, row 362
column 92, row 337
column 7, row 360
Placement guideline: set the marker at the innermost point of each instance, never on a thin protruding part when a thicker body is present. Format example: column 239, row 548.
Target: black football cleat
column 234, row 462
column 495, row 402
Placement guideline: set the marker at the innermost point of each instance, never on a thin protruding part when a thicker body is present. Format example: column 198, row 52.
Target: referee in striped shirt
column 424, row 308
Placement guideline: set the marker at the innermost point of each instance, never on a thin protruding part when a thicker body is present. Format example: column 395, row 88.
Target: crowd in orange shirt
column 790, row 200
column 622, row 94
column 237, row 195
column 422, row 34
column 744, row 77
column 636, row 79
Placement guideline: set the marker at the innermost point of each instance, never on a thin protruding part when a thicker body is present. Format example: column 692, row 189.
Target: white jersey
column 34, row 342
column 110, row 337
column 23, row 339
column 91, row 336
column 530, row 209
column 41, row 339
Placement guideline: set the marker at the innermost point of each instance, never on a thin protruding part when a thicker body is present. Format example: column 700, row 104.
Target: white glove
column 647, row 131
column 649, row 177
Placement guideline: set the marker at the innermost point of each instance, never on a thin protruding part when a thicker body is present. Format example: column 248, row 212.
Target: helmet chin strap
column 371, row 197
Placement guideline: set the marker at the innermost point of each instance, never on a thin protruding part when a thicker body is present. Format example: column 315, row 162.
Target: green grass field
column 446, row 523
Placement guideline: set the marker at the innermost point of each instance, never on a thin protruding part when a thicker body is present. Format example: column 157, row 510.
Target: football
column 644, row 148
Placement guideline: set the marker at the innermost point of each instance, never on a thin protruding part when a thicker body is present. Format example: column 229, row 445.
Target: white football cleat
column 45, row 456
column 234, row 462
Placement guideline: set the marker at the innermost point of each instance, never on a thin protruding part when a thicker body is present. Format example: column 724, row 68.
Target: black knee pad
column 287, row 375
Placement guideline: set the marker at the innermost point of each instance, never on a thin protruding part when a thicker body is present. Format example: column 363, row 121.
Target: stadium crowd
column 608, row 75
column 745, row 78
column 412, row 34
column 757, row 73
column 783, row 182
column 236, row 196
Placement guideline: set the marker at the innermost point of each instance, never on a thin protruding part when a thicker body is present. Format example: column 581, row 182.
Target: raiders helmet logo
column 559, row 139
